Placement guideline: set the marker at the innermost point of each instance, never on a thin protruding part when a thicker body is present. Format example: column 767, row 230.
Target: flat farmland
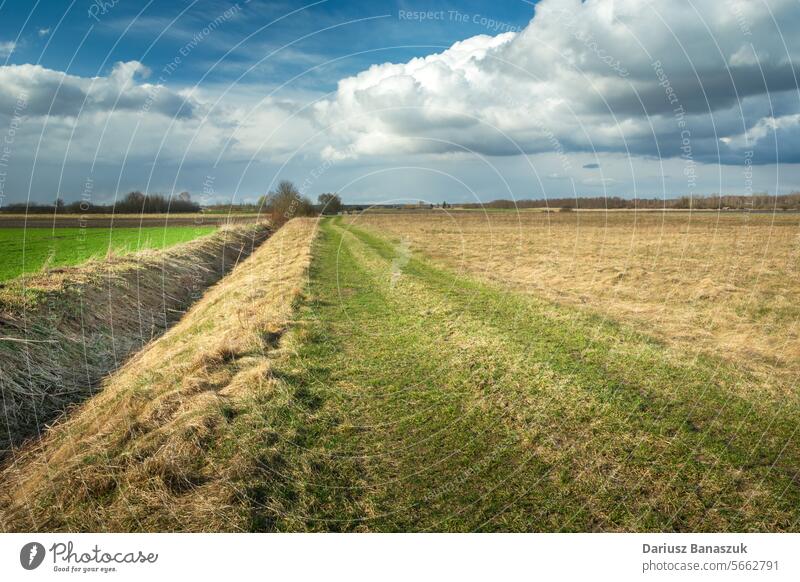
column 453, row 372
column 717, row 283
column 30, row 250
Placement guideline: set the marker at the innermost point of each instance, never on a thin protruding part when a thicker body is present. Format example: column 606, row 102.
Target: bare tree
column 286, row 202
column 329, row 203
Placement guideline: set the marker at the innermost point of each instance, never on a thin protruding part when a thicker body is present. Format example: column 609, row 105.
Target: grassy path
column 424, row 401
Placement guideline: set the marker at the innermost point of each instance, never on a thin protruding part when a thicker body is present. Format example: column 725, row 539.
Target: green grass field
column 29, row 250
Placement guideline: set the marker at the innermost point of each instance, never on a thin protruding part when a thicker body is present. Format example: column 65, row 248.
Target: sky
column 388, row 101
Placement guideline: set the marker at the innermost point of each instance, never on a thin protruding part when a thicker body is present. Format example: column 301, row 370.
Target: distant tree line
column 281, row 204
column 755, row 202
column 132, row 203
column 286, row 202
column 713, row 202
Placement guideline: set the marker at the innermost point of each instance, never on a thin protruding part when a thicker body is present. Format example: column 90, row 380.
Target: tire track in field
column 396, row 418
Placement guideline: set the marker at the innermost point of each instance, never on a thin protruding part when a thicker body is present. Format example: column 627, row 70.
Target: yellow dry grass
column 725, row 283
column 137, row 456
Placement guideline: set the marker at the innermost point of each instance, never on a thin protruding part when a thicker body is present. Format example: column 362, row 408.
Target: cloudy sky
column 399, row 100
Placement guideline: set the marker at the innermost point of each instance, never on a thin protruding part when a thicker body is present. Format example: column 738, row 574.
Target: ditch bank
column 184, row 436
column 62, row 331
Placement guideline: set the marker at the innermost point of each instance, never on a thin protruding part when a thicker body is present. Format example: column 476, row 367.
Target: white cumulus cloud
column 599, row 75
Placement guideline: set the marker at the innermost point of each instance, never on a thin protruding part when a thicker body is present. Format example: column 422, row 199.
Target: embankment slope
column 63, row 330
column 165, row 444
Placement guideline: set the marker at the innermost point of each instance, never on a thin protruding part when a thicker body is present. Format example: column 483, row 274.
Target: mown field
column 29, row 250
column 400, row 385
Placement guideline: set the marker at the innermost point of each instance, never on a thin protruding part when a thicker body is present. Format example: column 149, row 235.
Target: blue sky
column 152, row 33
column 383, row 101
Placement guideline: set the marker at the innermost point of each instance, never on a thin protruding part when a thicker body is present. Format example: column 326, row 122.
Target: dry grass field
column 726, row 284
